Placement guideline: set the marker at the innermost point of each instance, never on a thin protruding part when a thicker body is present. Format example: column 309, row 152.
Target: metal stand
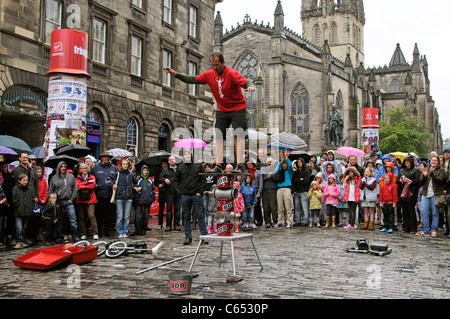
column 231, row 239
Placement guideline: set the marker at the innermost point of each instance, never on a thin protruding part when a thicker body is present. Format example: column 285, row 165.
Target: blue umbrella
column 281, row 147
column 39, row 152
column 15, row 143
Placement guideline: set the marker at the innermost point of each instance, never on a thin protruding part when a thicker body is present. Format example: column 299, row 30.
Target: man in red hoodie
column 388, row 201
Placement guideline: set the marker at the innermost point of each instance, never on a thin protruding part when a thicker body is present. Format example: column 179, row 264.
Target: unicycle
column 116, row 249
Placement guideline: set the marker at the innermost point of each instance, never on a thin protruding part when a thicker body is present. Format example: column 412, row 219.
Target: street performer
column 226, row 84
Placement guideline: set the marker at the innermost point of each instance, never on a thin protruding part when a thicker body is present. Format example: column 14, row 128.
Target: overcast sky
column 388, row 22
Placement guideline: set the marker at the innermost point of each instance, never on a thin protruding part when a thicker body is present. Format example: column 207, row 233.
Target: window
column 193, row 22
column 250, row 67
column 167, row 62
column 132, row 134
column 137, row 3
column 136, row 55
column 325, row 33
column 53, row 12
column 192, row 71
column 163, row 137
column 167, row 11
column 395, row 86
column 99, row 40
column 334, row 37
column 300, row 110
column 316, row 31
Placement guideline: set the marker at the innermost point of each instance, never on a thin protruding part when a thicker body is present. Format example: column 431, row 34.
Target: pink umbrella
column 348, row 151
column 190, row 143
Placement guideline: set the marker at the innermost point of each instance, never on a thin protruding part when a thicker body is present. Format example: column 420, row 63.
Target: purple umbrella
column 190, row 143
column 7, row 151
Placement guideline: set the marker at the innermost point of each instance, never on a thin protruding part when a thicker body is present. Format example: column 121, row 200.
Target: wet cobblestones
column 298, row 263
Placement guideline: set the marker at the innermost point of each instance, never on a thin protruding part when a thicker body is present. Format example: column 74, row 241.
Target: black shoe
column 187, row 241
column 216, row 169
column 237, row 170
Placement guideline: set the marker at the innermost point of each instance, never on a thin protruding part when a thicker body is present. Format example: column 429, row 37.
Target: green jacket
column 438, row 177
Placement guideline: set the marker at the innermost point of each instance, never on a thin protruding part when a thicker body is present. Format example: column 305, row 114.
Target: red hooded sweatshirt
column 388, row 193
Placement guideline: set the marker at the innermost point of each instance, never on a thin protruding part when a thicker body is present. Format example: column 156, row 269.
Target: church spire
column 279, row 18
column 416, row 58
column 398, row 58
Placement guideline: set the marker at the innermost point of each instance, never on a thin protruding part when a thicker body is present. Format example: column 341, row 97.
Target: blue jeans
column 248, row 215
column 123, row 215
column 21, row 225
column 72, row 215
column 187, row 202
column 301, row 203
column 425, row 206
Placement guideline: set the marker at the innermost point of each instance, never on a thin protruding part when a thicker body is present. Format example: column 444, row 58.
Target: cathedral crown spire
column 398, row 59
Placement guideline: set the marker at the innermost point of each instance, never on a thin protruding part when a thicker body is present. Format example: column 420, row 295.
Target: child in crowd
column 52, row 221
column 352, row 194
column 315, row 195
column 43, row 187
column 343, row 205
column 369, row 197
column 23, row 203
column 238, row 207
column 331, row 194
column 248, row 192
column 145, row 188
column 388, row 201
column 321, row 184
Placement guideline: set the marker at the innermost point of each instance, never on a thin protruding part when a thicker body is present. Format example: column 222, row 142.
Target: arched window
column 250, row 68
column 325, row 35
column 316, row 32
column 334, row 34
column 395, row 86
column 132, row 134
column 339, row 100
column 163, row 137
column 300, row 110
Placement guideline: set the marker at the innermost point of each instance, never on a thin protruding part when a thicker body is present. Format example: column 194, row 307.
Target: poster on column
column 66, row 115
column 369, row 136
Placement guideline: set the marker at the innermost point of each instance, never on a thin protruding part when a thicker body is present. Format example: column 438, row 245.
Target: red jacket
column 357, row 190
column 88, row 183
column 388, row 193
column 43, row 189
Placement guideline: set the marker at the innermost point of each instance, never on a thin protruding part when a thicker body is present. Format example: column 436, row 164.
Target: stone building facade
column 300, row 77
column 131, row 103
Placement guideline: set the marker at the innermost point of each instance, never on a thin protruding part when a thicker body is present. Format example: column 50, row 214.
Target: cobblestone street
column 298, row 263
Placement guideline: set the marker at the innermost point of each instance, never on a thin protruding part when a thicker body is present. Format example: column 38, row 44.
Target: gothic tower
column 341, row 22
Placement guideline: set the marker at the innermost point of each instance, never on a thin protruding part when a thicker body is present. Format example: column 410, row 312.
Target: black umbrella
column 53, row 161
column 155, row 158
column 153, row 161
column 74, row 150
column 295, row 155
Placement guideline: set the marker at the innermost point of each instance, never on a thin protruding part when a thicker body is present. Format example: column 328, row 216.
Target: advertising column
column 67, row 90
column 370, row 128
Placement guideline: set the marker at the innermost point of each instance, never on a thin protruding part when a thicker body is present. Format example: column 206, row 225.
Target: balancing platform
column 223, row 174
column 222, row 239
